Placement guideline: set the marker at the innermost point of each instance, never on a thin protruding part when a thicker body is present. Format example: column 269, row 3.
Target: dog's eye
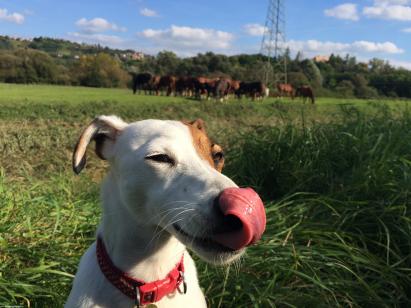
column 218, row 156
column 161, row 158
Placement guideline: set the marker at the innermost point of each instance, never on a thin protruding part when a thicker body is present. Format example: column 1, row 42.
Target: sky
column 365, row 28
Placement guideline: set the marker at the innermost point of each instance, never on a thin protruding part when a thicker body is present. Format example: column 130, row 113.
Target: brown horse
column 167, row 83
column 285, row 89
column 154, row 85
column 305, row 92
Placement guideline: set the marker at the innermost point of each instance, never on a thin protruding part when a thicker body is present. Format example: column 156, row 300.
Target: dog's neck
column 144, row 252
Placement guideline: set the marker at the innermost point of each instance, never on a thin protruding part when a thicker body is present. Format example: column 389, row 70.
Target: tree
column 361, row 88
column 345, row 89
column 379, row 66
column 312, row 72
column 394, row 84
column 100, row 71
column 167, row 62
column 27, row 66
column 297, row 79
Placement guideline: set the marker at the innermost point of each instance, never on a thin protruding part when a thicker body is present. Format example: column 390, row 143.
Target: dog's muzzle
column 244, row 211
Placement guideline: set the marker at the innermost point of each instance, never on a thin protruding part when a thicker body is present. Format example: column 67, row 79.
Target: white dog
column 164, row 192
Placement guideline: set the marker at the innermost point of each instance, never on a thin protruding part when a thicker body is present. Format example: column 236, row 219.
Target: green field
column 335, row 179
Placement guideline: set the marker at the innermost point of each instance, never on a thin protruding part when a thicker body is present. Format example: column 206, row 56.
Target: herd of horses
column 218, row 88
column 306, row 92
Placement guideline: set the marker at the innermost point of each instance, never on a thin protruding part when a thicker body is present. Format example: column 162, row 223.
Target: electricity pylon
column 273, row 45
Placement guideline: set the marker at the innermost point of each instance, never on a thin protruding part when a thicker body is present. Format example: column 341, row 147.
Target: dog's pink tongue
column 246, row 205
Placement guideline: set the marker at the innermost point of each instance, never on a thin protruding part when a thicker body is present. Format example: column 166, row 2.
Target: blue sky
column 365, row 28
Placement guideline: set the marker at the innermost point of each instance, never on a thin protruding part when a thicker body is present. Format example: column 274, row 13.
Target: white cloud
column 148, row 13
column 406, row 30
column 391, row 2
column 389, row 9
column 343, row 11
column 314, row 47
column 187, row 40
column 254, row 29
column 403, row 64
column 16, row 18
column 97, row 25
column 372, row 47
column 96, row 38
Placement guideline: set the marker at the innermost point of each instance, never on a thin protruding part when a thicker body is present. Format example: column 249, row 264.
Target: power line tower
column 273, row 45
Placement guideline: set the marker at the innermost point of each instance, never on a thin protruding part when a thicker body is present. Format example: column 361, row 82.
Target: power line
column 273, row 45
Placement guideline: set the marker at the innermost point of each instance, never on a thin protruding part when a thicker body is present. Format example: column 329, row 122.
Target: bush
column 100, row 71
column 298, row 79
column 27, row 66
column 345, row 89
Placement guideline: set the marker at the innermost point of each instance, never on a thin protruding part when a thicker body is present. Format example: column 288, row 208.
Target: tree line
column 51, row 61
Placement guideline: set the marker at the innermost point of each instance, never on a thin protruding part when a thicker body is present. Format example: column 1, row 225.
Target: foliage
column 345, row 88
column 312, row 72
column 298, row 79
column 99, row 71
column 395, row 83
column 81, row 64
column 27, row 66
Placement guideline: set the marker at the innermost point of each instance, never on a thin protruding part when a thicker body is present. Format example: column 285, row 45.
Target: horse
column 252, row 89
column 222, row 88
column 285, row 89
column 141, row 81
column 167, row 83
column 305, row 92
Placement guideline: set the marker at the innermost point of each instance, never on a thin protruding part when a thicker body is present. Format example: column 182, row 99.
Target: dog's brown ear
column 104, row 130
column 199, row 123
column 218, row 157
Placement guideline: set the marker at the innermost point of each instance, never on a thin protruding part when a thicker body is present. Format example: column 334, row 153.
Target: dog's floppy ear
column 199, row 123
column 104, row 130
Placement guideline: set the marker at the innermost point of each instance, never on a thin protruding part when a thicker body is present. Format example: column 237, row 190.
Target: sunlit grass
column 335, row 180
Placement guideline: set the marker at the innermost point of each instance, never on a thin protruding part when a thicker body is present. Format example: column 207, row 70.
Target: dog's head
column 168, row 174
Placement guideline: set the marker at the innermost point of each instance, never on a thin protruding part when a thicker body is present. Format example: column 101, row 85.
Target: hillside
column 57, row 61
column 63, row 49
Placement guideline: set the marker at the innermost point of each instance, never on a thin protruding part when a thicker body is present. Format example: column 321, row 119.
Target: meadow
column 335, row 179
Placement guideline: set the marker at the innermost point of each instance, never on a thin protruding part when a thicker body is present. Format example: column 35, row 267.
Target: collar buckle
column 148, row 293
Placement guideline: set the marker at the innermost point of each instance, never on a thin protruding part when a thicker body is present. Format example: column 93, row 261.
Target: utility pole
column 273, row 45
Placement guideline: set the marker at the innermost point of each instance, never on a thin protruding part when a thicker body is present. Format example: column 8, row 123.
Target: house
column 321, row 59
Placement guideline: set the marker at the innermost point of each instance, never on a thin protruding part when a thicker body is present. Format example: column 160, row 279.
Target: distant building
column 137, row 56
column 321, row 59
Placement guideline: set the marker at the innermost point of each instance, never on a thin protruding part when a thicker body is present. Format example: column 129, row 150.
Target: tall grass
column 44, row 227
column 337, row 199
column 339, row 220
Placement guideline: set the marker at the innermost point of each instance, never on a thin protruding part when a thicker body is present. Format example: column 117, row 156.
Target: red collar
column 141, row 292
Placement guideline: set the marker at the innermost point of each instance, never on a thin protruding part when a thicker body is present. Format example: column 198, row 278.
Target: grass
column 335, row 179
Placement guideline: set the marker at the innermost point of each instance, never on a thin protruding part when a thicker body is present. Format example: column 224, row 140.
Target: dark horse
column 305, row 92
column 141, row 81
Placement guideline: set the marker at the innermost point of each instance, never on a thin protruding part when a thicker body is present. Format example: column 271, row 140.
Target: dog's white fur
column 141, row 200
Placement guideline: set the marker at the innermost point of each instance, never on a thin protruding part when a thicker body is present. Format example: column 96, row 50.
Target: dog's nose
column 244, row 218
